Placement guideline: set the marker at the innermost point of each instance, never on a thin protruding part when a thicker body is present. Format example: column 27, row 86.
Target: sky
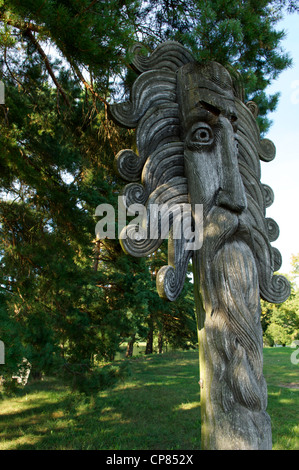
column 282, row 174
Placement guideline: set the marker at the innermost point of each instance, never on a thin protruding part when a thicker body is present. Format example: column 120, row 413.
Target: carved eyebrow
column 210, row 107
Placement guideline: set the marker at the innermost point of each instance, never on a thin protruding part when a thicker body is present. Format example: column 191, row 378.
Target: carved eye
column 234, row 122
column 200, row 135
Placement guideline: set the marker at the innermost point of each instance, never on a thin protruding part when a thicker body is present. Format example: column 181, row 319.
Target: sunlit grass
column 156, row 407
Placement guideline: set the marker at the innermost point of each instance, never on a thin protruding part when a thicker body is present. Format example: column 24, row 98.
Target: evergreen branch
column 87, row 8
column 86, row 84
column 13, row 75
column 27, row 29
column 22, row 25
column 41, row 52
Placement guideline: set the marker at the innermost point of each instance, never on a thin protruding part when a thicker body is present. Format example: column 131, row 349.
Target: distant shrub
column 92, row 380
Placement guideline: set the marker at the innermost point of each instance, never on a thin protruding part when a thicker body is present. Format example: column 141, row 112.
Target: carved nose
column 231, row 200
column 231, row 193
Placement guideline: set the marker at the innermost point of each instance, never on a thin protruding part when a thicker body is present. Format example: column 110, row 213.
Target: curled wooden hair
column 156, row 174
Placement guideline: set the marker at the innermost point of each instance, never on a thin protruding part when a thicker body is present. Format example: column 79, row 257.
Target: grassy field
column 157, row 407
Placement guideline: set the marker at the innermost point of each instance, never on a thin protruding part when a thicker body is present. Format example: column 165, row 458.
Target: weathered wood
column 198, row 144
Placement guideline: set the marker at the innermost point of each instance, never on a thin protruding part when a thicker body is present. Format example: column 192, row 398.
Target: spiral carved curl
column 233, row 275
column 154, row 112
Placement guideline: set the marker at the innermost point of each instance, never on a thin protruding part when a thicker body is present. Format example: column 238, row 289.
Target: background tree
column 281, row 322
column 67, row 299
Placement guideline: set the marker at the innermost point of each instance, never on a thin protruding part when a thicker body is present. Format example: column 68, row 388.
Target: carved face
column 209, row 119
column 185, row 117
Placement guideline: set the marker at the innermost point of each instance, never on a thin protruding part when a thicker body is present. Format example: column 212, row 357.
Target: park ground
column 155, row 407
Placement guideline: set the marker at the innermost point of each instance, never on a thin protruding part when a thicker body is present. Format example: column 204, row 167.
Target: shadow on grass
column 157, row 408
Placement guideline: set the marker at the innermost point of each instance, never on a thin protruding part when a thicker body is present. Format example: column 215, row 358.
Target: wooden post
column 199, row 145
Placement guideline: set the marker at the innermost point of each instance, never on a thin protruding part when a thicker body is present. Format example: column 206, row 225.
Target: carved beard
column 230, row 288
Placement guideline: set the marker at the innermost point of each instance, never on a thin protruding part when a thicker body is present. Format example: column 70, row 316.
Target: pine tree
column 56, row 164
column 68, row 300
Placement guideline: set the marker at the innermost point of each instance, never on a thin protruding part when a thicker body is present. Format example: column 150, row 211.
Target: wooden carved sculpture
column 198, row 143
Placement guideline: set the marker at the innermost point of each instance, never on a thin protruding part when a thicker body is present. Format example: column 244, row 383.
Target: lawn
column 157, row 407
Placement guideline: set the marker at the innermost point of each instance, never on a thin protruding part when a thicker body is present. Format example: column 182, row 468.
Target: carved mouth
column 224, row 226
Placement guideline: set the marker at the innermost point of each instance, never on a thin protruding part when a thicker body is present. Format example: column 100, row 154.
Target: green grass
column 283, row 397
column 156, row 408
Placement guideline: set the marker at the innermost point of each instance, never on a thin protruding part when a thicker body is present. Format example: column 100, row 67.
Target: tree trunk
column 149, row 341
column 160, row 342
column 130, row 347
column 36, row 374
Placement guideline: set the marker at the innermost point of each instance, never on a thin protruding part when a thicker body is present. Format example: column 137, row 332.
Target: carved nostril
column 228, row 201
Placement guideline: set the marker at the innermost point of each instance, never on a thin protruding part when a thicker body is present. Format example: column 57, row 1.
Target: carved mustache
column 222, row 226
